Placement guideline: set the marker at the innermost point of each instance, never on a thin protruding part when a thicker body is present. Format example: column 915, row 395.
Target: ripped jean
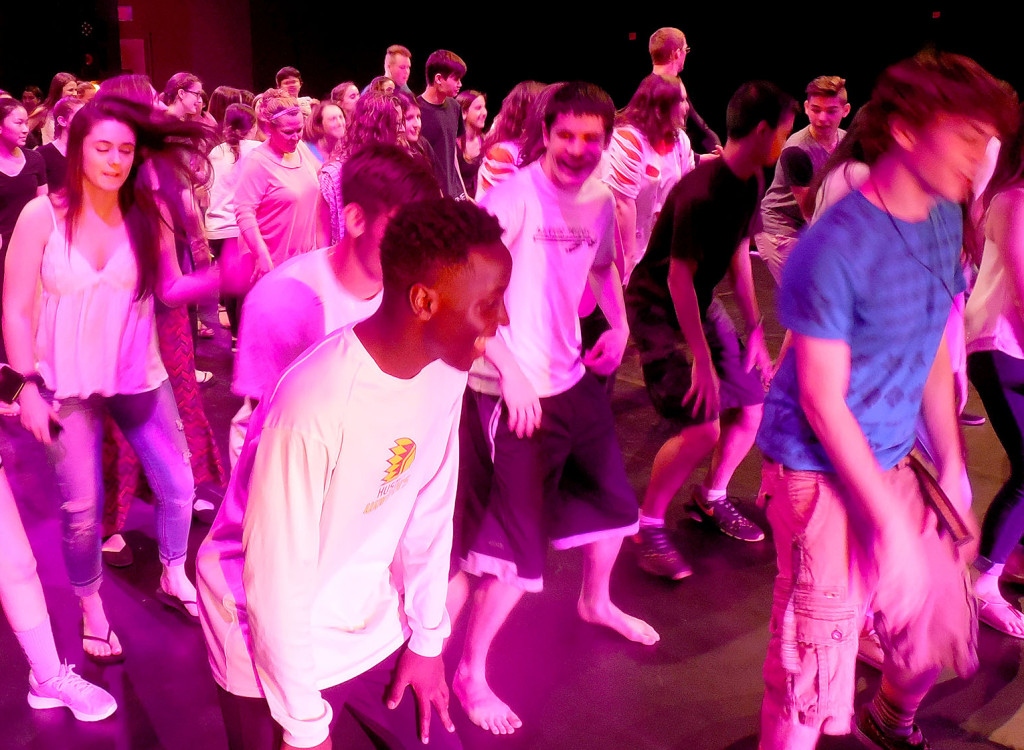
column 151, row 425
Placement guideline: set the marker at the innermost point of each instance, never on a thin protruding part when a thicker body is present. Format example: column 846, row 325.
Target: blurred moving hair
column 580, row 98
column 175, row 144
column 135, row 88
column 379, row 177
column 664, row 43
column 444, row 63
column 827, row 86
column 1010, row 165
column 654, row 109
column 510, row 121
column 753, row 103
column 427, row 237
column 931, row 83
column 176, row 83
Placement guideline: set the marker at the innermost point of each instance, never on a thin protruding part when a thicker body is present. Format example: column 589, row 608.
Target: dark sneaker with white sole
column 657, row 555
column 725, row 516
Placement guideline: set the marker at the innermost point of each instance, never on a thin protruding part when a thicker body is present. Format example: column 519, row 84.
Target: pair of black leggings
column 999, row 379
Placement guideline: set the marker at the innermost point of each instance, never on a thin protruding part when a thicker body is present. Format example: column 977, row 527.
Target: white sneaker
column 87, row 702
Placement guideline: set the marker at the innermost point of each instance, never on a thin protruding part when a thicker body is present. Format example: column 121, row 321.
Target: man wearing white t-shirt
column 559, row 223
column 311, row 295
column 323, row 579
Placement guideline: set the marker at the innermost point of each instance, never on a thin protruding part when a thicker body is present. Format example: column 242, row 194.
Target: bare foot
column 174, row 582
column 482, row 706
column 612, row 617
column 95, row 628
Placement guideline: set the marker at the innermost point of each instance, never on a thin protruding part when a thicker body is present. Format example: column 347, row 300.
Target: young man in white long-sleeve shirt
column 325, row 573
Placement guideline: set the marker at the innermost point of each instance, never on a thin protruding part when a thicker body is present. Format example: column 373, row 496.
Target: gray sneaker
column 87, row 702
column 725, row 516
column 658, row 556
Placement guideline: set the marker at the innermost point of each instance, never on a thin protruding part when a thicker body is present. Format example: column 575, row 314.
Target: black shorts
column 512, row 509
column 667, row 365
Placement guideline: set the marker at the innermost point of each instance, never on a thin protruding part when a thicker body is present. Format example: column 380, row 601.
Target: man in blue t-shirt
column 866, row 294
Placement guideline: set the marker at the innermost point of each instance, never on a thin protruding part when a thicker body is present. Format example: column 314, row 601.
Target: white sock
column 712, row 495
column 40, row 650
column 650, row 522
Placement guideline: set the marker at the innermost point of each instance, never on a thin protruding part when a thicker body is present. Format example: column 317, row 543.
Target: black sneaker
column 658, row 556
column 725, row 516
column 866, row 729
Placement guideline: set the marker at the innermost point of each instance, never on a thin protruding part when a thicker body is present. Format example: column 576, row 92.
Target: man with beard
column 559, row 223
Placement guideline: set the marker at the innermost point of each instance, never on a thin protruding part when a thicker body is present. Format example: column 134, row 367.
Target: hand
column 607, row 352
column 264, row 265
column 425, row 675
column 36, row 414
column 757, row 356
column 325, row 745
column 523, row 404
column 703, row 388
column 901, row 591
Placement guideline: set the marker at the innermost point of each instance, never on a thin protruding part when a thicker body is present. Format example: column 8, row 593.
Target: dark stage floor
column 574, row 685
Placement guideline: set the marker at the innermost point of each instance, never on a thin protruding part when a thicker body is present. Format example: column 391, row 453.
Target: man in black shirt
column 442, row 117
column 712, row 393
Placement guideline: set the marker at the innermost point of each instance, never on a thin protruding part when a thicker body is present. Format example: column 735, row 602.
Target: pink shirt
column 279, row 201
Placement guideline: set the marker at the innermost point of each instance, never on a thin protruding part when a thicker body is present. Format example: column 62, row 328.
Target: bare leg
column 739, row 428
column 96, row 624
column 493, row 602
column 595, row 604
column 21, row 593
column 674, row 463
column 174, row 581
column 458, row 594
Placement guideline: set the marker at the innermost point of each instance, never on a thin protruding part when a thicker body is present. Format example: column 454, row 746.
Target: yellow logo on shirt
column 402, row 455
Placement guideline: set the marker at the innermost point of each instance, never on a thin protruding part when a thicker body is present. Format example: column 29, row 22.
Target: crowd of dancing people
column 427, row 308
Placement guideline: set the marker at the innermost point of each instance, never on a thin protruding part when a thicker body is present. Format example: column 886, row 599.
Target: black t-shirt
column 56, row 167
column 442, row 125
column 16, row 191
column 704, row 218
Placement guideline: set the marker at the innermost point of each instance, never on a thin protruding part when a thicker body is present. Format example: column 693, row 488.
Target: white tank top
column 992, row 320
column 93, row 336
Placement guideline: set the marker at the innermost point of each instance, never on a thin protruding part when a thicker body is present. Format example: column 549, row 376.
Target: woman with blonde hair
column 277, row 190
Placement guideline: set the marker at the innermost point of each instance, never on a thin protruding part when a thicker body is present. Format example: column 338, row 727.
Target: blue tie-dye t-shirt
column 885, row 287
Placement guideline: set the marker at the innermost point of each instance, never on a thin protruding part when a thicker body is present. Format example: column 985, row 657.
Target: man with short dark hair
column 559, row 225
column 323, row 579
column 290, row 81
column 712, row 393
column 442, row 117
column 859, row 525
column 787, row 205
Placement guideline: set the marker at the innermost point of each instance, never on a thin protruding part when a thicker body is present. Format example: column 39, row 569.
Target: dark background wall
column 243, row 42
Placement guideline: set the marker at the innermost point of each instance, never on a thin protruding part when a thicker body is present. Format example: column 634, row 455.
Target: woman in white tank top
column 88, row 346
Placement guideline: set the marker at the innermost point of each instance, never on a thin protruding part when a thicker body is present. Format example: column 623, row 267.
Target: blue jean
column 151, row 425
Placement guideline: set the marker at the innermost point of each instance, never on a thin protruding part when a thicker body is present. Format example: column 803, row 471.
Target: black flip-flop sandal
column 172, row 602
column 110, row 658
